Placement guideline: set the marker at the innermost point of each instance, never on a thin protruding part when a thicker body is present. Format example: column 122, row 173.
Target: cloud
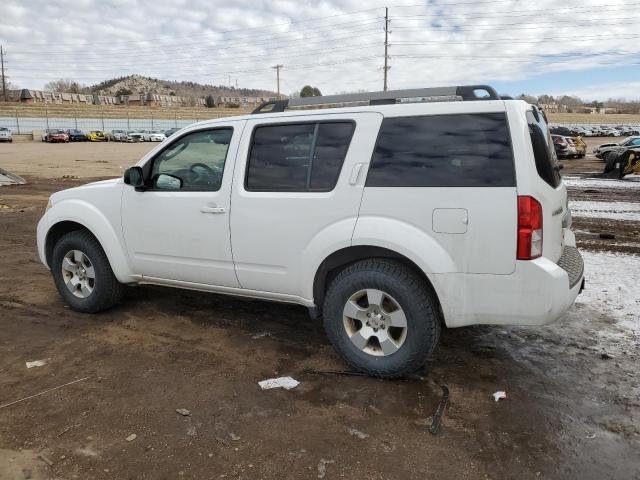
column 336, row 45
column 606, row 91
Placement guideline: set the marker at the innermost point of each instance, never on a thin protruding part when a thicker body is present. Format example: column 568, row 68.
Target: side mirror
column 133, row 176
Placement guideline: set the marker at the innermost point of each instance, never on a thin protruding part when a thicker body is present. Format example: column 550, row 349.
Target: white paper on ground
column 36, row 363
column 499, row 395
column 284, row 382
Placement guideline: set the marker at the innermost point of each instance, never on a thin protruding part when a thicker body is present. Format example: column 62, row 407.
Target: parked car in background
column 561, row 146
column 55, row 135
column 572, row 151
column 97, row 136
column 154, row 136
column 118, row 135
column 76, row 135
column 134, row 136
column 5, row 135
column 581, row 146
column 171, row 131
column 602, row 150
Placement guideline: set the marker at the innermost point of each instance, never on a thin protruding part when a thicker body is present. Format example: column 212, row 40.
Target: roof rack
column 466, row 92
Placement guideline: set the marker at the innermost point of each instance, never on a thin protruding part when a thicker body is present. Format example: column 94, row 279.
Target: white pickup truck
column 389, row 219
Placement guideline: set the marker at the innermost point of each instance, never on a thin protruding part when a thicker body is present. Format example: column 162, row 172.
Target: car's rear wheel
column 381, row 318
column 83, row 275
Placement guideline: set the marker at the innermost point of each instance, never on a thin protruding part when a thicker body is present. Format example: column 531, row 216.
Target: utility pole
column 4, row 85
column 386, row 46
column 277, row 69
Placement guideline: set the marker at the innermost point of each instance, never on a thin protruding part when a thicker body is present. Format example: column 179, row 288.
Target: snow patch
column 612, row 283
column 630, row 181
column 611, row 210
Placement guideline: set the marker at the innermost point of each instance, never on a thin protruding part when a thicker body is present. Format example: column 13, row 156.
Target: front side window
column 298, row 157
column 459, row 150
column 195, row 162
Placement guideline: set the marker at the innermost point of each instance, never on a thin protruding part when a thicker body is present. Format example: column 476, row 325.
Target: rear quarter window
column 459, row 150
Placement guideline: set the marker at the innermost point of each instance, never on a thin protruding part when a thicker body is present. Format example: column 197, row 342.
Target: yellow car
column 581, row 146
column 97, row 136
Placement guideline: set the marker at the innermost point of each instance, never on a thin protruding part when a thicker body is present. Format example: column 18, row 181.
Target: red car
column 56, row 136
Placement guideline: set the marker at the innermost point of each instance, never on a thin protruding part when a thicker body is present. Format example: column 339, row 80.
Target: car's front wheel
column 381, row 318
column 83, row 275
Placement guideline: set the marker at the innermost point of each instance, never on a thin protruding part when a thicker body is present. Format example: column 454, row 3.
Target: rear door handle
column 208, row 209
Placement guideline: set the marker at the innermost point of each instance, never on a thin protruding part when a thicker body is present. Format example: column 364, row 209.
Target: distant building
column 553, row 107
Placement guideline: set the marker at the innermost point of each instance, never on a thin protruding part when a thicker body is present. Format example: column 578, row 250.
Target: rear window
column 461, row 150
column 543, row 150
column 298, row 157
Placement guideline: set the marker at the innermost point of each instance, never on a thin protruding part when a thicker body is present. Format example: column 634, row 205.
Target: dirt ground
column 572, row 410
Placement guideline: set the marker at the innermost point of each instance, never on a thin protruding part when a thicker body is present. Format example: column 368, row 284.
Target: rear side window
column 461, row 150
column 543, row 150
column 298, row 157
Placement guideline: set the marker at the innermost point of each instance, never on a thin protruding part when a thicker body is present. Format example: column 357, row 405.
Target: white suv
column 388, row 219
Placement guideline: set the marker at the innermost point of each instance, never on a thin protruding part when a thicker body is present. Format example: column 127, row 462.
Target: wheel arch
column 344, row 257
column 80, row 216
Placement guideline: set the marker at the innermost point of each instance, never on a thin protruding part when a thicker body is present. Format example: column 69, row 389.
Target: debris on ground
column 261, row 335
column 322, row 467
column 43, row 392
column 45, row 459
column 357, row 433
column 36, row 363
column 499, row 395
column 606, row 356
column 183, row 411
column 8, row 178
column 437, row 417
column 313, row 371
column 234, row 437
column 591, row 436
column 375, row 410
column 281, row 382
column 607, row 236
column 131, row 437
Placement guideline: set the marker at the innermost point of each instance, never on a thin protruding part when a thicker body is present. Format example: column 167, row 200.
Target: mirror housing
column 133, row 176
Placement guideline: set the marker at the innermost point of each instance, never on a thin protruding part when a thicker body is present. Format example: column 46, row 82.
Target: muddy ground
column 572, row 409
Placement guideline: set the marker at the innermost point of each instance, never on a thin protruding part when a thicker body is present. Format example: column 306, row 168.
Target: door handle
column 208, row 209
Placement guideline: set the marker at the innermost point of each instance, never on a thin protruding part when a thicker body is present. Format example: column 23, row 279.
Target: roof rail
column 466, row 92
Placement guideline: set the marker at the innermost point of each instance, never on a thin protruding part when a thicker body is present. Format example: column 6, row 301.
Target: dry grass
column 598, row 118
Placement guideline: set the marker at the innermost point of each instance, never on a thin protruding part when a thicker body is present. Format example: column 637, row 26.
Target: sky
column 588, row 48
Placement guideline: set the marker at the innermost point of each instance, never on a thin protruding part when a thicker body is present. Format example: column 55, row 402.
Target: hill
column 138, row 84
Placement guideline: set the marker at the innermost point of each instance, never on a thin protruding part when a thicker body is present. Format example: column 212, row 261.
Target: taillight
column 529, row 228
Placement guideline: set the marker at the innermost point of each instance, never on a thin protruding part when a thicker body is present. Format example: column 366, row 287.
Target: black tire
column 107, row 291
column 610, row 161
column 412, row 295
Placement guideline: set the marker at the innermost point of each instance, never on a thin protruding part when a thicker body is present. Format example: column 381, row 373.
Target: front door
column 178, row 227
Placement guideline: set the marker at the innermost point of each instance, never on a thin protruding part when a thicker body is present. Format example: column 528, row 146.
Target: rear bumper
column 538, row 292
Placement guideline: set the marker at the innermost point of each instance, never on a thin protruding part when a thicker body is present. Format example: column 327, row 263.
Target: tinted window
column 466, row 150
column 543, row 150
column 196, row 159
column 298, row 157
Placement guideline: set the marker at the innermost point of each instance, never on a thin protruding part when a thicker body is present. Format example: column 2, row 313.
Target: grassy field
column 594, row 118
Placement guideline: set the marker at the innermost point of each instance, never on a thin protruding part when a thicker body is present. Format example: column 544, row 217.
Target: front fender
column 94, row 220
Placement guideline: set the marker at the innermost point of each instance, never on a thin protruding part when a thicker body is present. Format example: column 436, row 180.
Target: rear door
column 296, row 194
column 452, row 176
